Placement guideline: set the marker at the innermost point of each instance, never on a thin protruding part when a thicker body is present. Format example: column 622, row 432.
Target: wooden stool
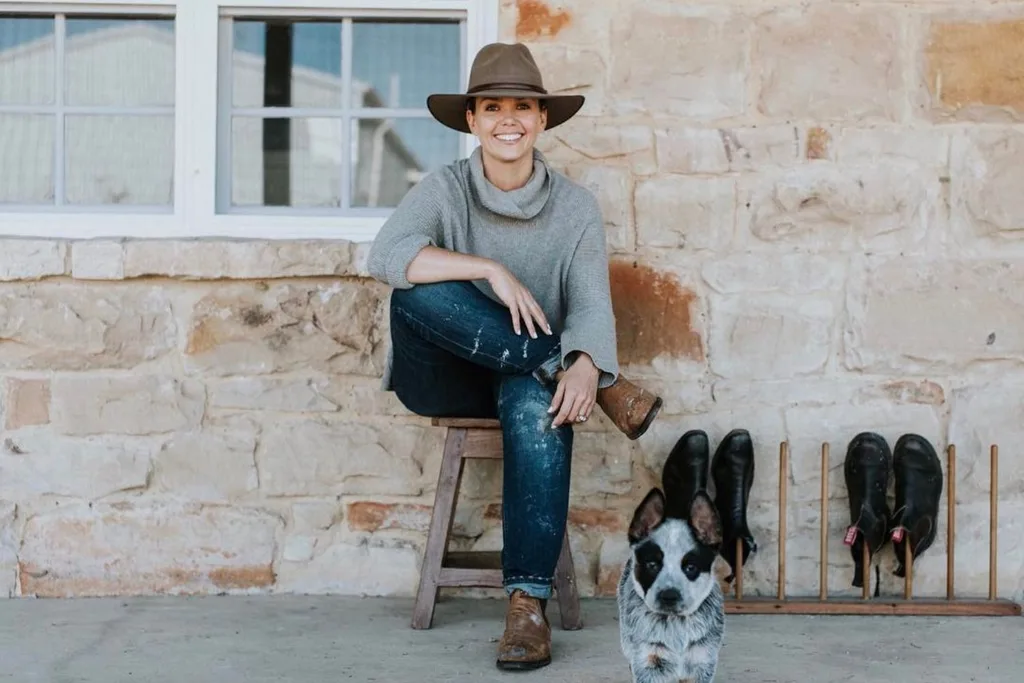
column 465, row 439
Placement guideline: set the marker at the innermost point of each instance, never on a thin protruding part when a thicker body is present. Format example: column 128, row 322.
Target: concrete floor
column 327, row 639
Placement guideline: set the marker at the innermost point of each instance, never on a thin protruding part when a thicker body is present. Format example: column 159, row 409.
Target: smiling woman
column 502, row 309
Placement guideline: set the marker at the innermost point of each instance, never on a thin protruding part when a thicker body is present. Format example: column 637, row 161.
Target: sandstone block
column 215, row 464
column 368, row 569
column 293, row 395
column 828, row 391
column 561, row 21
column 27, row 403
column 68, row 326
column 983, row 415
column 987, row 176
column 612, row 558
column 601, row 465
column 299, row 548
column 613, row 188
column 826, row 207
column 125, row 404
column 604, row 142
column 667, row 61
column 124, row 549
column 782, row 273
column 97, row 260
column 36, row 462
column 974, row 70
column 315, row 515
column 923, row 315
column 684, row 149
column 685, row 213
column 246, row 259
column 572, row 70
column 26, row 259
column 657, row 315
column 330, row 327
column 770, row 335
column 314, row 457
column 923, row 147
column 828, row 62
column 365, row 515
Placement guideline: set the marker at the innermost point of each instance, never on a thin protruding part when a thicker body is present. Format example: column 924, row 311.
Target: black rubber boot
column 866, row 470
column 686, row 473
column 733, row 472
column 918, row 475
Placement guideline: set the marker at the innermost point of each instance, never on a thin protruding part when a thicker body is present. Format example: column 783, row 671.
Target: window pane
column 286, row 63
column 119, row 62
column 27, row 55
column 119, row 160
column 398, row 63
column 286, row 162
column 393, row 155
column 26, row 148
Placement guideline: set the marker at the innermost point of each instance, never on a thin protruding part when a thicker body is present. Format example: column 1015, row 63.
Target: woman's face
column 507, row 127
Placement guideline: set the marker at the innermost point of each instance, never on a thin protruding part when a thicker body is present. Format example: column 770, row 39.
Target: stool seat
column 465, row 439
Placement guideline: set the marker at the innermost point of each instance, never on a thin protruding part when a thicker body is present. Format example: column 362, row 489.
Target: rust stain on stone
column 202, row 338
column 653, row 314
column 977, row 64
column 371, row 516
column 259, row 576
column 28, row 403
column 595, row 518
column 537, row 19
column 909, row 391
column 818, row 142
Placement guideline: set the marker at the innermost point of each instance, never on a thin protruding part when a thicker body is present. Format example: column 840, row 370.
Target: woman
column 501, row 308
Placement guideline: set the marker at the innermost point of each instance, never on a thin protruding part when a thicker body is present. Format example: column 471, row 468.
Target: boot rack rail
column 866, row 605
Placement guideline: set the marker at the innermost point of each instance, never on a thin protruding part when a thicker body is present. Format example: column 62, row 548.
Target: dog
column 671, row 608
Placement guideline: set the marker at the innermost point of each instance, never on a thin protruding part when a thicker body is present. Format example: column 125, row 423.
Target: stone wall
column 816, row 219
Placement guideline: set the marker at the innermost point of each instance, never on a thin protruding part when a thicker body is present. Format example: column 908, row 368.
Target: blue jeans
column 456, row 355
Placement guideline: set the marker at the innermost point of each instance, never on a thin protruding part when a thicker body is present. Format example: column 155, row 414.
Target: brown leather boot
column 630, row 408
column 526, row 643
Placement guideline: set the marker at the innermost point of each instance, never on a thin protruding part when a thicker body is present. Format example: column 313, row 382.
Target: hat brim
column 450, row 109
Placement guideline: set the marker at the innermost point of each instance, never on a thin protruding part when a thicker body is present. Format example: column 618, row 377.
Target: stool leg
column 565, row 588
column 440, row 527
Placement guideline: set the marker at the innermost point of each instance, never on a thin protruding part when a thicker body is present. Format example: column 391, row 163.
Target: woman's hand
column 520, row 302
column 576, row 393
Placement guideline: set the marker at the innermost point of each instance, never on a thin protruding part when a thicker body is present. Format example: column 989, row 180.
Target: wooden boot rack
column 866, row 605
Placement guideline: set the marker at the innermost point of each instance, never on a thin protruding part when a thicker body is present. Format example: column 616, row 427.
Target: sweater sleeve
column 590, row 321
column 415, row 223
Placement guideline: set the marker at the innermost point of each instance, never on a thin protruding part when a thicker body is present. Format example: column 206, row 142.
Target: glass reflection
column 26, row 147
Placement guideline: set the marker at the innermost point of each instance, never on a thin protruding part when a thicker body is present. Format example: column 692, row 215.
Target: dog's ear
column 648, row 515
column 704, row 521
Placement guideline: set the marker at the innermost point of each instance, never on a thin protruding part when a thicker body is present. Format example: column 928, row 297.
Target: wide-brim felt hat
column 503, row 70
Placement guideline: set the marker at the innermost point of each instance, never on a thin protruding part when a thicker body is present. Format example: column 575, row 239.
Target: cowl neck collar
column 523, row 203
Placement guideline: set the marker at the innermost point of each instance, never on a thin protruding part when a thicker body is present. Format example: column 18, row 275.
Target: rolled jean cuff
column 529, row 585
column 545, row 373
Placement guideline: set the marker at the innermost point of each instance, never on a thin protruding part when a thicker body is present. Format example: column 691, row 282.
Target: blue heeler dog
column 671, row 608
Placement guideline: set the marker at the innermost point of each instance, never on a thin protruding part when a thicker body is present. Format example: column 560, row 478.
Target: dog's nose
column 669, row 597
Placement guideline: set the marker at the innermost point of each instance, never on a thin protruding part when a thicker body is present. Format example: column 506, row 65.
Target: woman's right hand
column 521, row 304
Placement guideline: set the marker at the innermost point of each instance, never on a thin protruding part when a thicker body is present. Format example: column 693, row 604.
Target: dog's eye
column 691, row 570
column 652, row 565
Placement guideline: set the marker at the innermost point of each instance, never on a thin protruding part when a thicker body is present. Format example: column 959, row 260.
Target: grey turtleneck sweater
column 548, row 233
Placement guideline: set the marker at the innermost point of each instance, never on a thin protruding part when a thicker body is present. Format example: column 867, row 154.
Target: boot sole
column 522, row 666
column 651, row 414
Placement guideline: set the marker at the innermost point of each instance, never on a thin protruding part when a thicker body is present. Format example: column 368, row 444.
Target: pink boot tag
column 851, row 535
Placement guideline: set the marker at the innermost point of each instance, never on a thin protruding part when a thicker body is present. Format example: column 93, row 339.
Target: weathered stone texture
column 216, row 464
column 27, row 403
column 9, row 536
column 27, row 259
column 313, row 457
column 354, row 569
column 914, row 316
column 244, row 259
column 827, row 207
column 685, row 213
column 135, row 404
column 828, row 62
column 667, row 62
column 251, row 329
column 987, row 201
column 974, row 69
column 68, row 326
column 97, row 260
column 123, row 549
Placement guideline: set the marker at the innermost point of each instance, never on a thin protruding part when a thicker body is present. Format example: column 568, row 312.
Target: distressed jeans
column 456, row 355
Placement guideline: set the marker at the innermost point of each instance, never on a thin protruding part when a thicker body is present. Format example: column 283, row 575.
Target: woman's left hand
column 576, row 393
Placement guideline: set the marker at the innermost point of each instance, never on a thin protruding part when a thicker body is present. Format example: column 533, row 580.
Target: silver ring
column 581, row 418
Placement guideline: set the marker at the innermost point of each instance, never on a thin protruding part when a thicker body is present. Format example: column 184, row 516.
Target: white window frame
column 194, row 214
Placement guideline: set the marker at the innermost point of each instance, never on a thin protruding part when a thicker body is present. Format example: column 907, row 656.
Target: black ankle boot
column 866, row 471
column 733, row 472
column 918, row 475
column 686, row 472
